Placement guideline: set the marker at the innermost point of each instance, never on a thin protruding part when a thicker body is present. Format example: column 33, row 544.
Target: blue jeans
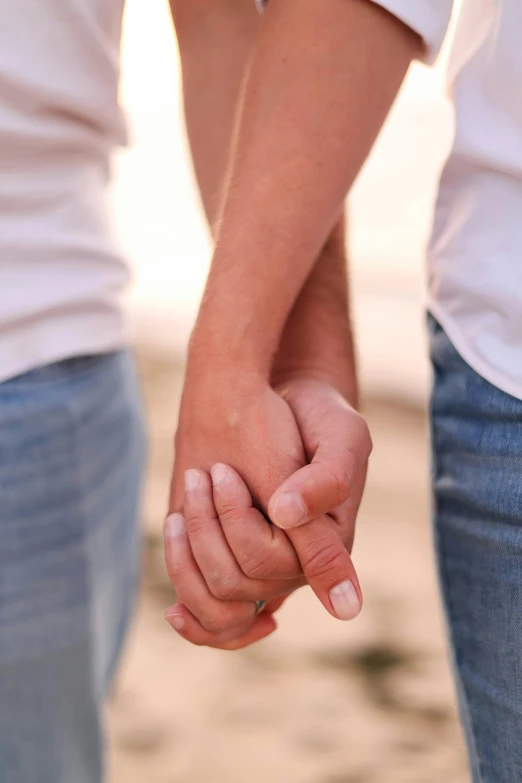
column 71, row 448
column 477, row 481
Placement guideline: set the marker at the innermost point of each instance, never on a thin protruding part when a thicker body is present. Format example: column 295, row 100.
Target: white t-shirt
column 475, row 254
column 60, row 275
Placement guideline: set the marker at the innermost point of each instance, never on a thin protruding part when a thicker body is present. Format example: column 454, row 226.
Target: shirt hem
column 460, row 344
column 38, row 346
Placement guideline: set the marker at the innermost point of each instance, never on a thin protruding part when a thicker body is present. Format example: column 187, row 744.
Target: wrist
column 218, row 368
column 317, row 341
column 342, row 380
column 226, row 346
column 321, row 348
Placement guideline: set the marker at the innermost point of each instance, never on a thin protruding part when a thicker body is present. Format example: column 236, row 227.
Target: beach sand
column 320, row 701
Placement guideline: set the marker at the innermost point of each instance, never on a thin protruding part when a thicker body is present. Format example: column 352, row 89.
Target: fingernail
column 220, row 473
column 345, row 601
column 288, row 510
column 192, row 480
column 175, row 526
column 175, row 619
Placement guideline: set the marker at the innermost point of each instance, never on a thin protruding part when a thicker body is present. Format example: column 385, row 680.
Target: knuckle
column 218, row 621
column 228, row 513
column 223, row 592
column 223, row 587
column 322, row 560
column 336, row 477
column 197, row 522
column 354, row 461
column 364, row 439
column 344, row 482
column 344, row 516
column 256, row 566
column 341, row 479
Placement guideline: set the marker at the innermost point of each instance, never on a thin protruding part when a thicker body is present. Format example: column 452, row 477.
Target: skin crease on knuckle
column 246, row 590
column 341, row 478
column 357, row 434
column 229, row 513
column 224, row 587
column 321, row 560
column 197, row 525
column 256, row 566
column 357, row 462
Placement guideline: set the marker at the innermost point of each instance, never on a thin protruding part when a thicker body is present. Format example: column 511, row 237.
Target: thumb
column 337, row 444
column 314, row 490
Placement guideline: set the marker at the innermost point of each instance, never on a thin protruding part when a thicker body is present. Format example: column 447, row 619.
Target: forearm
column 216, row 41
column 317, row 339
column 334, row 65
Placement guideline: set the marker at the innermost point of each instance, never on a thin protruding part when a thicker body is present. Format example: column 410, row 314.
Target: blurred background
column 319, row 701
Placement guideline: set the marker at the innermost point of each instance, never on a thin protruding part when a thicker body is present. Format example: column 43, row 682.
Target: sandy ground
column 320, row 701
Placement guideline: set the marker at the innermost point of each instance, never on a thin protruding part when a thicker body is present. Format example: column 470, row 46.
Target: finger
column 262, row 551
column 212, row 553
column 328, row 567
column 188, row 626
column 190, row 586
column 207, row 540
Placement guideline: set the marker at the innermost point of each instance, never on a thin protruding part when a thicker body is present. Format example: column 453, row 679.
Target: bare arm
column 321, row 83
column 217, row 39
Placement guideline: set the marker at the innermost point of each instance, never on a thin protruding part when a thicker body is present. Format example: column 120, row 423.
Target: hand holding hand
column 231, row 542
column 214, row 553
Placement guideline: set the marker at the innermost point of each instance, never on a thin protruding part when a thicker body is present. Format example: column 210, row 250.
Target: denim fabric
column 71, row 449
column 477, row 480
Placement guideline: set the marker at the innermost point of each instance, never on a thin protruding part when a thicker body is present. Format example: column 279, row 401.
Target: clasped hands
column 265, row 492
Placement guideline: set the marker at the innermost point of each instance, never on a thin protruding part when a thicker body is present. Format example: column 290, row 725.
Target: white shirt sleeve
column 429, row 18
